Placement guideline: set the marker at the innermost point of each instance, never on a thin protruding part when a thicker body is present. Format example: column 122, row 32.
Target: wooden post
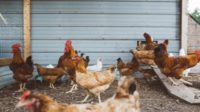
column 27, row 28
column 184, row 25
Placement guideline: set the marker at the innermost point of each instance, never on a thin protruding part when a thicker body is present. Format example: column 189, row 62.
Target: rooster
column 97, row 67
column 174, row 66
column 22, row 70
column 50, row 74
column 126, row 99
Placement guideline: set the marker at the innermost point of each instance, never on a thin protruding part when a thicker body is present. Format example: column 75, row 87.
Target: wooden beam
column 27, row 28
column 5, row 61
column 184, row 25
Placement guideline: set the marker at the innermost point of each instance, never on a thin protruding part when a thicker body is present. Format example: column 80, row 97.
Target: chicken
column 148, row 74
column 50, row 74
column 127, row 69
column 97, row 67
column 86, row 59
column 126, row 99
column 149, row 45
column 22, row 71
column 67, row 60
column 94, row 82
column 174, row 66
column 69, row 50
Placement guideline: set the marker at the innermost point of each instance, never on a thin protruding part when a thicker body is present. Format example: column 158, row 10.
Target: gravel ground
column 153, row 96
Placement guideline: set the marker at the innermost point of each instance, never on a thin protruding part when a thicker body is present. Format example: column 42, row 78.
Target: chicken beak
column 21, row 104
column 24, row 103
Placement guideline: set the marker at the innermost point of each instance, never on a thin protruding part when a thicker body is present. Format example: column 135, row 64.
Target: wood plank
column 184, row 25
column 188, row 94
column 5, row 61
column 27, row 28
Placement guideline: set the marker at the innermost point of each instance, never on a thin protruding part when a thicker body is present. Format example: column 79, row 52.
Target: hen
column 129, row 68
column 50, row 74
column 174, row 66
column 149, row 45
column 22, row 71
column 93, row 82
column 97, row 67
column 126, row 99
column 148, row 74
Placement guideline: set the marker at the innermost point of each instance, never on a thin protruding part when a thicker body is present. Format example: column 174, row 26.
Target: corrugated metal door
column 11, row 32
column 101, row 28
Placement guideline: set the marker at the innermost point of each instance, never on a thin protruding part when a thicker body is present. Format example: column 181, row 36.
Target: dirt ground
column 153, row 96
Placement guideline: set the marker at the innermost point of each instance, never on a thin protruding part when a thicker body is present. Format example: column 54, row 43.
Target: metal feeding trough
column 188, row 94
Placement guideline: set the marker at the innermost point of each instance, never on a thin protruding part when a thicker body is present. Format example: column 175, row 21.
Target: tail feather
column 29, row 61
column 87, row 59
column 119, row 59
column 148, row 38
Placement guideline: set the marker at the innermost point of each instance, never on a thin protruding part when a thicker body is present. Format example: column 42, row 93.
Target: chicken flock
column 95, row 80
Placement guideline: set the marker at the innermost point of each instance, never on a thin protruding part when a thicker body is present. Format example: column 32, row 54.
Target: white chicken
column 97, row 67
column 187, row 71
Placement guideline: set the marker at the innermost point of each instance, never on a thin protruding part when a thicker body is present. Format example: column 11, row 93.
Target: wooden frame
column 27, row 28
column 184, row 25
column 5, row 61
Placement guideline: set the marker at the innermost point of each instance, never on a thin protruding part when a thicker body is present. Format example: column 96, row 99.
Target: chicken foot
column 20, row 88
column 185, row 82
column 182, row 80
column 99, row 97
column 173, row 82
column 73, row 88
column 85, row 99
column 51, row 85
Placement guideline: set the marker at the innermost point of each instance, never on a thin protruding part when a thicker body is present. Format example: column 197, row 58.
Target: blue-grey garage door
column 101, row 28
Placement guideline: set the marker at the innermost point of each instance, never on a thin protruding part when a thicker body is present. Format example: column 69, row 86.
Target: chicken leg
column 173, row 82
column 99, row 97
column 24, row 85
column 85, row 99
column 185, row 82
column 20, row 87
column 71, row 90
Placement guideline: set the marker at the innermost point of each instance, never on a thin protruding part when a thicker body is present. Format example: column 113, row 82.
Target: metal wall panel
column 101, row 28
column 13, row 31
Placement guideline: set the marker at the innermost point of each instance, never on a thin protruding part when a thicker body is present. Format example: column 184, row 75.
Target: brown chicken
column 174, row 66
column 22, row 71
column 129, row 68
column 149, row 45
column 50, row 74
column 68, row 52
column 149, row 74
column 126, row 99
column 68, row 60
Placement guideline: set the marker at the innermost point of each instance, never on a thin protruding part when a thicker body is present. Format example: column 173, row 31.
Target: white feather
column 182, row 52
column 187, row 71
column 97, row 67
column 171, row 54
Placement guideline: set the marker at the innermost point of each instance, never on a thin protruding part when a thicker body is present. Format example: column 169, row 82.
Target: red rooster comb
column 68, row 42
column 24, row 95
column 16, row 45
column 68, row 45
